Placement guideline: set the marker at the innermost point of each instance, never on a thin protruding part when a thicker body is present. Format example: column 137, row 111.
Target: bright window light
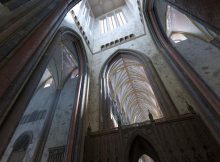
column 48, row 83
column 112, row 21
column 178, row 37
column 75, row 73
column 84, row 11
column 121, row 18
column 105, row 25
column 114, row 121
column 76, row 8
column 101, row 26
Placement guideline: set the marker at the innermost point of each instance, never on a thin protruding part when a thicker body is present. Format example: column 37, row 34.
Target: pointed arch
column 139, row 147
column 79, row 97
column 76, row 128
column 199, row 87
column 159, row 92
column 70, row 45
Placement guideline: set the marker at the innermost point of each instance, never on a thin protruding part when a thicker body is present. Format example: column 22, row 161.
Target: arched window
column 130, row 91
column 20, row 148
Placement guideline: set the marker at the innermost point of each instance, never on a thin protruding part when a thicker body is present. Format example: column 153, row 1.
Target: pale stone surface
column 142, row 43
column 42, row 100
column 205, row 60
column 133, row 26
column 61, row 121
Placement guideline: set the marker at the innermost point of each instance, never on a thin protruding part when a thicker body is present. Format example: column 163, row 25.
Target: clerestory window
column 111, row 21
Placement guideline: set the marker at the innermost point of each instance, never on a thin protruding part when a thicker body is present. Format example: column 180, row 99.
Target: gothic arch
column 208, row 102
column 76, row 129
column 77, row 114
column 70, row 41
column 167, row 106
column 137, row 146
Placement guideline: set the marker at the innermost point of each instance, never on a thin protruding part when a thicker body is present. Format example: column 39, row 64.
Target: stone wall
column 42, row 100
column 145, row 45
column 58, row 134
column 181, row 138
column 133, row 26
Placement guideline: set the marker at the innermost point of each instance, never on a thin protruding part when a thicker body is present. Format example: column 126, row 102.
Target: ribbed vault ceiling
column 131, row 90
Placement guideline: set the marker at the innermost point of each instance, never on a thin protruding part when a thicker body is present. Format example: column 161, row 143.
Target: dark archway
column 140, row 147
column 20, row 147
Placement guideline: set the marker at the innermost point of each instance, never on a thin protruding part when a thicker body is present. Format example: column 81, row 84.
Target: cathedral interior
column 109, row 81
